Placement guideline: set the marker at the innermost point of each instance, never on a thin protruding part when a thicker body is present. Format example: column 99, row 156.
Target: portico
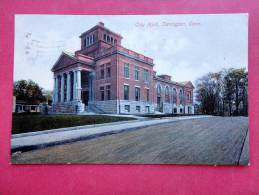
column 73, row 87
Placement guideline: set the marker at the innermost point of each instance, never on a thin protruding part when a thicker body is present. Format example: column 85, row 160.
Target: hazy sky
column 183, row 46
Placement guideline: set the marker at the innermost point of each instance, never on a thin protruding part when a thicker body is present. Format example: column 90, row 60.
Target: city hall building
column 105, row 77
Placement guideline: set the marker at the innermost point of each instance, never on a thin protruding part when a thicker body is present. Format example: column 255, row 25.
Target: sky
column 183, row 46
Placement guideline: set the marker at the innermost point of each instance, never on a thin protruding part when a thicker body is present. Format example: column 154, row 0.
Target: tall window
column 126, row 70
column 102, row 93
column 159, row 90
column 104, row 37
column 85, row 42
column 167, row 97
column 147, row 94
column 88, row 41
column 137, row 93
column 126, row 92
column 108, row 71
column 136, row 73
column 108, row 92
column 102, row 72
column 93, row 38
column 181, row 96
column 174, row 96
column 145, row 75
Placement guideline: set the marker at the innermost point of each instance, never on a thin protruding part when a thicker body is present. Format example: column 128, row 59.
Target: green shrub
column 37, row 122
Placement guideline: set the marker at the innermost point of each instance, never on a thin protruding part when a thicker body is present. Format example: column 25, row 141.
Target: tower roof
column 100, row 25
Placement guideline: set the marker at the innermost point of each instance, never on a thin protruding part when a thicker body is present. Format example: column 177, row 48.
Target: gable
column 189, row 84
column 63, row 61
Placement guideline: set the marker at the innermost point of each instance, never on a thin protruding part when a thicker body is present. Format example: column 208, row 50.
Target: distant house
column 105, row 77
column 22, row 106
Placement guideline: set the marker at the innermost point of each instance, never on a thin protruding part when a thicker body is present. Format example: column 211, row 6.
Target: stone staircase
column 95, row 109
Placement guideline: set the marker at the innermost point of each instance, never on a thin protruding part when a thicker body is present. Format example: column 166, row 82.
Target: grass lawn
column 23, row 123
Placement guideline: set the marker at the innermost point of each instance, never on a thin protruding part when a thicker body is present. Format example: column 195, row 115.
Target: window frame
column 126, row 70
column 136, row 73
column 127, row 108
column 108, row 92
column 126, row 97
column 146, row 75
column 102, row 93
column 102, row 73
column 137, row 93
column 108, row 73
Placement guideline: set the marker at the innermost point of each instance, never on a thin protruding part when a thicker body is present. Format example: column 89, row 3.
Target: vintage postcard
column 131, row 89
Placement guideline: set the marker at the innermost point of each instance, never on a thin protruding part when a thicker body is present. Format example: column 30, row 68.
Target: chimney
column 101, row 24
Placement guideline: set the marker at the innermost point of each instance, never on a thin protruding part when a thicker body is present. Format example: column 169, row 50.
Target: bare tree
column 223, row 92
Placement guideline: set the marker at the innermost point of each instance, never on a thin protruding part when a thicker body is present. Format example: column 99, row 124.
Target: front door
column 85, row 97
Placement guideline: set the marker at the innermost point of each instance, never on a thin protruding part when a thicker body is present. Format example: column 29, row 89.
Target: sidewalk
column 41, row 139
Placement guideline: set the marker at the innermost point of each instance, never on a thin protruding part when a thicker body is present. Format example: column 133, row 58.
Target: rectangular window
column 102, row 72
column 145, row 75
column 147, row 109
column 147, row 95
column 88, row 41
column 127, row 108
column 126, row 70
column 138, row 108
column 174, row 96
column 85, row 42
column 137, row 93
column 102, row 93
column 126, row 92
column 108, row 92
column 136, row 73
column 108, row 72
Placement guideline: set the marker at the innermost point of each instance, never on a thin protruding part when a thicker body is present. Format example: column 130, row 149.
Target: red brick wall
column 131, row 81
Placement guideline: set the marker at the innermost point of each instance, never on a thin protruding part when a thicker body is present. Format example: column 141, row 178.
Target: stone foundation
column 191, row 109
column 108, row 106
column 136, row 107
column 68, row 107
column 167, row 108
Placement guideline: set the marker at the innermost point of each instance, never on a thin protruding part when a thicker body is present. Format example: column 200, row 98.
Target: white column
column 56, row 89
column 68, row 86
column 74, row 85
column 62, row 88
column 78, row 82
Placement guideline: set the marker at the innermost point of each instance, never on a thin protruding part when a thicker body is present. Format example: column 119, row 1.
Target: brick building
column 105, row 77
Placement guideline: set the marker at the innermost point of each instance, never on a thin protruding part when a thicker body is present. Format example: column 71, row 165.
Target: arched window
column 108, row 39
column 167, row 97
column 115, row 41
column 174, row 96
column 93, row 38
column 181, row 96
column 111, row 40
column 159, row 90
column 104, row 37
